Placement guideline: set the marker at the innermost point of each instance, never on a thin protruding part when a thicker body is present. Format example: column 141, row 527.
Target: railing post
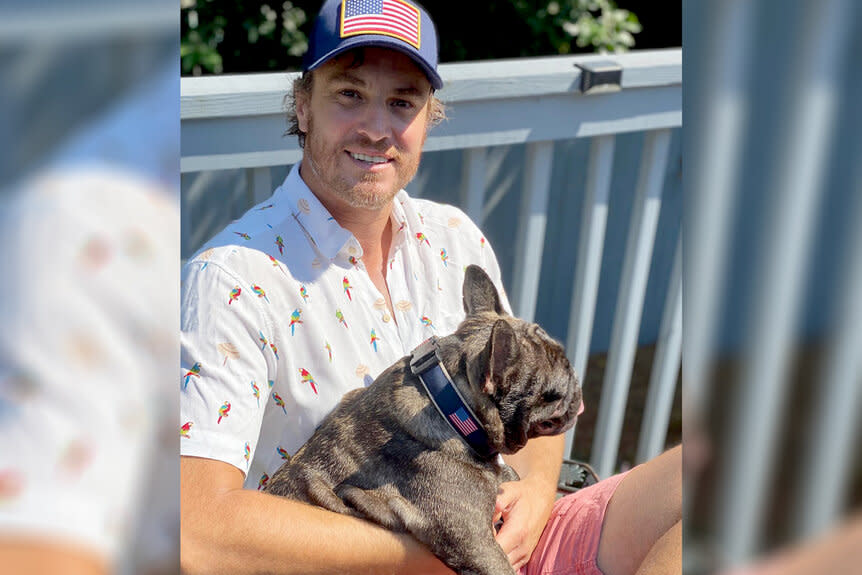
column 258, row 184
column 627, row 316
column 473, row 183
column 590, row 245
column 665, row 367
column 531, row 228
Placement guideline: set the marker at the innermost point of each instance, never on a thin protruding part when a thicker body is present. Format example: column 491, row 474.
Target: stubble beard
column 369, row 192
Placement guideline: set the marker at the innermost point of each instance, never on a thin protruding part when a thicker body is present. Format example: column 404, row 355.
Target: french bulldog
column 388, row 454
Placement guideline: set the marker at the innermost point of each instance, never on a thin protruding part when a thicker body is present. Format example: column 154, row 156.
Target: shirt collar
column 321, row 229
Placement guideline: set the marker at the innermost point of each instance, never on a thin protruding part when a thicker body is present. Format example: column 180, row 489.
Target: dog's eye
column 551, row 396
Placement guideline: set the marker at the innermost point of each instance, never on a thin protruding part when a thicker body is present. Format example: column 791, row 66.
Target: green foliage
column 237, row 36
column 595, row 24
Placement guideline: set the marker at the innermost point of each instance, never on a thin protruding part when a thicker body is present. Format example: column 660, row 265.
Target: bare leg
column 666, row 555
column 646, row 506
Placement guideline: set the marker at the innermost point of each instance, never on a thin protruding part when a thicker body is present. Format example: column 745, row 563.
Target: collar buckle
column 424, row 356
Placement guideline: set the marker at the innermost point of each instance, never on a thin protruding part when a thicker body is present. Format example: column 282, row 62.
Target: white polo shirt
column 280, row 319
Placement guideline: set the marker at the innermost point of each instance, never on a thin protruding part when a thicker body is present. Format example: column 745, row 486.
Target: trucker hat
column 402, row 25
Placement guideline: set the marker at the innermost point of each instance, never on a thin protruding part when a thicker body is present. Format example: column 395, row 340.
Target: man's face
column 365, row 126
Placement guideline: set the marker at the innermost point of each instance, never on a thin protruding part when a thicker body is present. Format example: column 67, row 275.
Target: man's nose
column 375, row 122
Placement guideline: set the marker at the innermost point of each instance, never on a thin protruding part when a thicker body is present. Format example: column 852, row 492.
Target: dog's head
column 521, row 382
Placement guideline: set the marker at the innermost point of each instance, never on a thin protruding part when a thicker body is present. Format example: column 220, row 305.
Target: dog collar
column 425, row 364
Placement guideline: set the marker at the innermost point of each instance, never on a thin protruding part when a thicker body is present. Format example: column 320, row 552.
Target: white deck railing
column 526, row 101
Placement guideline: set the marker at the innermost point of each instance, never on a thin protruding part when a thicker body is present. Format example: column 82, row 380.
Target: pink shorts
column 569, row 545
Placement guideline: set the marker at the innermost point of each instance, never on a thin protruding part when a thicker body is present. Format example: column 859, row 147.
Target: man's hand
column 524, row 507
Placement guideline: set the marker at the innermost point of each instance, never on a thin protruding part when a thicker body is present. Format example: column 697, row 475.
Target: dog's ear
column 502, row 352
column 479, row 292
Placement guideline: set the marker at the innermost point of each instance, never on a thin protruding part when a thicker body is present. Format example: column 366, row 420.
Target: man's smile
column 370, row 162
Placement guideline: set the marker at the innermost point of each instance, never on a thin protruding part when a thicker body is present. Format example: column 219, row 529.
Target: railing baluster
column 627, row 315
column 531, row 228
column 590, row 245
column 259, row 184
column 473, row 183
column 665, row 367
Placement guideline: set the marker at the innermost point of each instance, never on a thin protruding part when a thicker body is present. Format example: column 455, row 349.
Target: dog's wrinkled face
column 518, row 370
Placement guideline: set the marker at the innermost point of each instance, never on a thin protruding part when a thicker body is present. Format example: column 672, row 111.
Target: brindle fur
column 385, row 454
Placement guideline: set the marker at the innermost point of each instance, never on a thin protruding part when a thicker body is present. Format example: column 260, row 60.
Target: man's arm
column 525, row 505
column 228, row 529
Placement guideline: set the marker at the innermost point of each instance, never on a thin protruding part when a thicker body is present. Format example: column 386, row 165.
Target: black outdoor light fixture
column 599, row 76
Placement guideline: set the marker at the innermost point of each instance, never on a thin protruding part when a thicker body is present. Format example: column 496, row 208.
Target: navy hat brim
column 379, row 41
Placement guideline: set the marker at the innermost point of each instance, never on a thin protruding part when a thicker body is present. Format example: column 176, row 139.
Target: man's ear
column 479, row 292
column 502, row 353
column 301, row 99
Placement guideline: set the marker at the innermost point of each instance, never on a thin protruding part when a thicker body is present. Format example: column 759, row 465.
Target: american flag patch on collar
column 463, row 421
column 396, row 18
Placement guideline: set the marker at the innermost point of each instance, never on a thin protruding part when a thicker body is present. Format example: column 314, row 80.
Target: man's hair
column 304, row 83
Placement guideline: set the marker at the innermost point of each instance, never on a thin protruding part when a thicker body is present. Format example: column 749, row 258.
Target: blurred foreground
column 89, row 251
column 772, row 368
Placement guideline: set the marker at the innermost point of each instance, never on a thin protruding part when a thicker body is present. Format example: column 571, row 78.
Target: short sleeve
column 227, row 360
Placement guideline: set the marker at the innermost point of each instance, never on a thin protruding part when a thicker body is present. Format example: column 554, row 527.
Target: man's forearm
column 540, row 460
column 239, row 531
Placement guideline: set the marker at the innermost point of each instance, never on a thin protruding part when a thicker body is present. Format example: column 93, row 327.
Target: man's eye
column 402, row 104
column 349, row 93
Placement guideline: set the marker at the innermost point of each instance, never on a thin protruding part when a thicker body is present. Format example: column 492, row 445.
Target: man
column 317, row 290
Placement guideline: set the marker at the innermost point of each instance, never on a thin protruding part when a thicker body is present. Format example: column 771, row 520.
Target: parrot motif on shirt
column 329, row 350
column 259, row 291
column 295, row 319
column 374, row 339
column 195, row 371
column 303, row 293
column 244, row 236
column 234, row 294
column 353, row 260
column 274, row 349
column 246, row 453
column 255, row 390
column 340, row 317
column 444, row 256
column 421, row 237
column 306, row 378
column 426, row 321
column 223, row 411
column 275, row 264
column 282, row 452
column 345, row 283
column 262, row 339
column 264, row 479
column 279, row 402
column 280, row 243
column 186, row 428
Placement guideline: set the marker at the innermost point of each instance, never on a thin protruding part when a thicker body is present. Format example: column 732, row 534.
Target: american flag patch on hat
column 395, row 18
